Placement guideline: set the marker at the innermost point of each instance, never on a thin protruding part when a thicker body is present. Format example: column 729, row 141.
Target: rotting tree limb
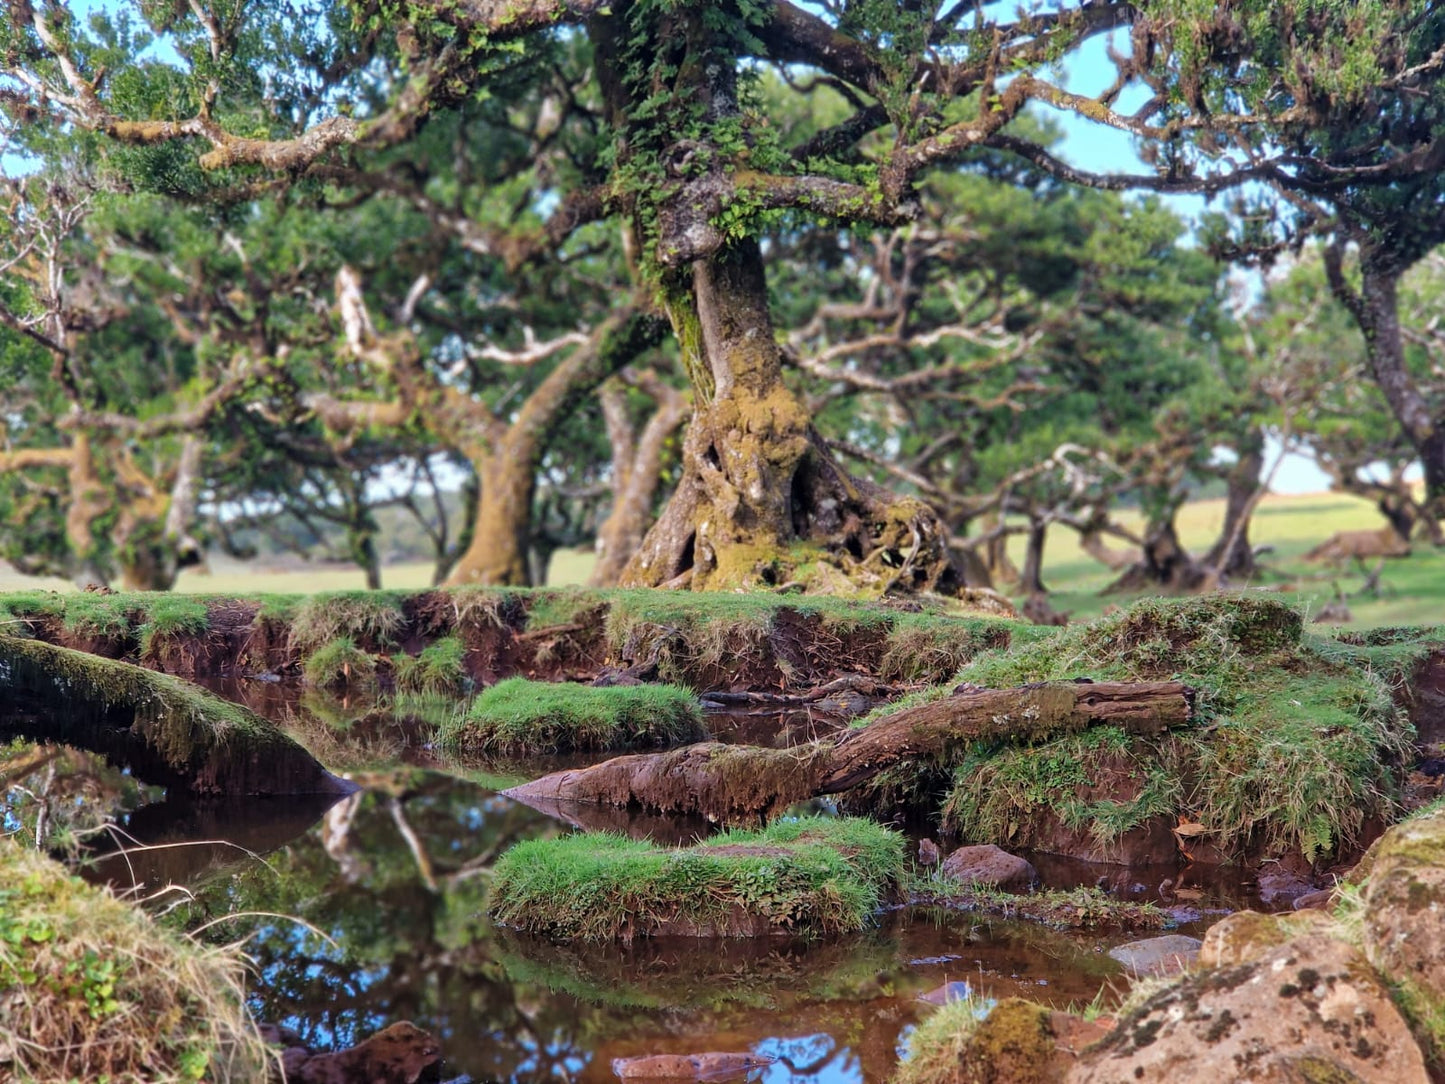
column 728, row 782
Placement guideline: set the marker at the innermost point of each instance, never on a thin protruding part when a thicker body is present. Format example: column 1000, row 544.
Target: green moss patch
column 814, row 875
column 437, row 669
column 1298, row 741
column 166, row 730
column 520, row 716
column 93, row 989
column 1084, row 908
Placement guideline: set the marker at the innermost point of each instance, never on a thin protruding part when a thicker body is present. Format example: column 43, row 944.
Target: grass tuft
column 367, row 617
column 936, row 1047
column 813, row 875
column 339, row 662
column 438, row 669
column 93, row 989
column 521, row 716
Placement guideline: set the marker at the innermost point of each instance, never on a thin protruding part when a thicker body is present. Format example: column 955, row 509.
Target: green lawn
column 1412, row 588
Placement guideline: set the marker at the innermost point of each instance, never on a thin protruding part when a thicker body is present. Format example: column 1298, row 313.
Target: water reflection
column 384, row 895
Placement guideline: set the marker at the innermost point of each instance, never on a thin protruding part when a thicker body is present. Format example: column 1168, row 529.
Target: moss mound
column 520, row 716
column 814, row 875
column 1297, row 745
column 92, row 989
column 165, row 730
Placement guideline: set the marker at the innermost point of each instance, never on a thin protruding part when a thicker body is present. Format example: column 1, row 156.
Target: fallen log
column 731, row 782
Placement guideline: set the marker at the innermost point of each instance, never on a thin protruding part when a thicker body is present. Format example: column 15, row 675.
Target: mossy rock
column 1404, row 920
column 92, row 989
column 163, row 729
column 810, row 876
column 976, row 1042
column 521, row 716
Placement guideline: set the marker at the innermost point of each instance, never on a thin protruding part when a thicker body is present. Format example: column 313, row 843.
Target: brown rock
column 1404, row 920
column 1249, row 935
column 1309, row 1010
column 395, row 1055
column 1320, row 898
column 709, row 1066
column 989, row 865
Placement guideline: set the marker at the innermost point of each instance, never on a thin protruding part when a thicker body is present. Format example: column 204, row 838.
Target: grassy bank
column 92, row 989
column 806, row 876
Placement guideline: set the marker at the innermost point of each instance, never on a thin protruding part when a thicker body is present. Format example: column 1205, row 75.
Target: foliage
column 811, row 875
column 97, row 991
column 339, row 662
column 521, row 716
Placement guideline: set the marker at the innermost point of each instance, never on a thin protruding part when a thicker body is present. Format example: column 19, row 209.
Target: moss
column 521, row 716
column 339, row 662
column 1296, row 747
column 1083, row 908
column 167, row 730
column 813, row 875
column 437, row 668
column 107, row 994
column 936, row 1047
column 1011, row 795
column 976, row 1042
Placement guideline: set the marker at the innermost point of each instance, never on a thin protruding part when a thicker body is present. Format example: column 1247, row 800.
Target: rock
column 1404, row 918
column 989, row 865
column 395, row 1055
column 710, row 1066
column 1320, row 898
column 949, row 991
column 1158, row 955
column 1281, row 887
column 1249, row 935
column 1308, row 1010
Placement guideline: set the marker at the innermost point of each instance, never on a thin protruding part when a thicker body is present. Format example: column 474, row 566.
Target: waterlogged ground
column 384, row 901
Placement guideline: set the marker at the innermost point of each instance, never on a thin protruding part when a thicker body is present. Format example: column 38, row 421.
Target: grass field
column 1412, row 589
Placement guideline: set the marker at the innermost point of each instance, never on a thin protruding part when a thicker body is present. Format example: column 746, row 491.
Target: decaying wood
column 728, row 782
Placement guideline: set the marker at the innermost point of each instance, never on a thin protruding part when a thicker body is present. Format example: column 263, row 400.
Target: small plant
column 104, row 993
column 437, row 669
column 339, row 662
column 520, row 716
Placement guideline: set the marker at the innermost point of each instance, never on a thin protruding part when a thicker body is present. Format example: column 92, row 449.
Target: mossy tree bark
column 762, row 501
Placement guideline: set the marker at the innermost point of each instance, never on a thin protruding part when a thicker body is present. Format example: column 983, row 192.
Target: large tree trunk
column 1232, row 555
column 761, row 501
column 507, row 467
column 1031, row 578
column 728, row 782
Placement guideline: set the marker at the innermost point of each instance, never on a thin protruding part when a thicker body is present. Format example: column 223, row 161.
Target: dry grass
column 92, row 989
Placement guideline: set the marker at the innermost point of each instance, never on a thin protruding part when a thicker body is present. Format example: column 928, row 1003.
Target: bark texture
column 762, row 501
column 728, row 782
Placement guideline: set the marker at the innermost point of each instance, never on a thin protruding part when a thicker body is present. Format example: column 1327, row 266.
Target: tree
column 1322, row 119
column 670, row 139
